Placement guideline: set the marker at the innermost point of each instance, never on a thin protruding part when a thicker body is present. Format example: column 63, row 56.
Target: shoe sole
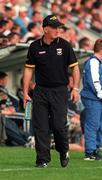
column 41, row 166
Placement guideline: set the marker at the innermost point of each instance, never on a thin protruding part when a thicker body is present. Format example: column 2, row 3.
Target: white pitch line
column 17, row 169
column 30, row 169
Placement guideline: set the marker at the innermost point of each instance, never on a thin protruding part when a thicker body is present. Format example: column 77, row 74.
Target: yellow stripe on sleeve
column 29, row 66
column 74, row 64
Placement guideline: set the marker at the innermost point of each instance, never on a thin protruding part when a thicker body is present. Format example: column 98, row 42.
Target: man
column 92, row 99
column 50, row 56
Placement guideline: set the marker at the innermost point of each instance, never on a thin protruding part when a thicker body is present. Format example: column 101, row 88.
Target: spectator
column 36, row 5
column 4, row 42
column 23, row 14
column 8, row 26
column 63, row 18
column 10, row 100
column 16, row 29
column 91, row 96
column 11, row 131
column 85, row 43
column 9, row 12
column 69, row 34
column 14, row 38
column 33, row 32
column 96, row 23
column 2, row 4
column 81, row 24
column 3, row 23
column 55, row 9
column 16, row 6
column 3, row 107
column 21, row 22
column 37, row 17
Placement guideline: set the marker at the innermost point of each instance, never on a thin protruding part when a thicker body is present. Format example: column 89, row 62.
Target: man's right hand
column 26, row 98
column 99, row 94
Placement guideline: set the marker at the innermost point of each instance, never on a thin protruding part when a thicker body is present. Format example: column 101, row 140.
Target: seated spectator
column 96, row 23
column 33, row 32
column 16, row 6
column 16, row 29
column 4, row 42
column 14, row 134
column 8, row 26
column 37, row 17
column 9, row 100
column 3, row 23
column 2, row 4
column 20, row 21
column 81, row 24
column 66, row 7
column 69, row 34
column 14, row 38
column 55, row 8
column 85, row 43
column 11, row 134
column 63, row 18
column 36, row 5
column 9, row 11
column 23, row 14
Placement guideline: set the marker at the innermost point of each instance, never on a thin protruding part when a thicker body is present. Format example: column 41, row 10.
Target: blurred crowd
column 22, row 22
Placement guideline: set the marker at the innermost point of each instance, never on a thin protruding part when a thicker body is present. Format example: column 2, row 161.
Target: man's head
column 98, row 46
column 85, row 43
column 52, row 21
column 51, row 26
column 3, row 78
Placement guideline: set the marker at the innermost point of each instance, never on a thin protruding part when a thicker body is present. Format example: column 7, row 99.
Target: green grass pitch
column 17, row 163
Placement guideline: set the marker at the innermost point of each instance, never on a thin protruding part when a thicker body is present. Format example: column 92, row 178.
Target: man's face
column 51, row 33
column 4, row 81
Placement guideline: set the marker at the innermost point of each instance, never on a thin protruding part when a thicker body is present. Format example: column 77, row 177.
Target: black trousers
column 50, row 114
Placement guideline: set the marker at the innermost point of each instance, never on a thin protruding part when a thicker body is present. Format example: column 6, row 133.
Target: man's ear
column 45, row 29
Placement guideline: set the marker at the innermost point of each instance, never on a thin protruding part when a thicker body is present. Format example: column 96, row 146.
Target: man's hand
column 26, row 98
column 27, row 76
column 99, row 94
column 75, row 95
column 8, row 110
column 76, row 79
